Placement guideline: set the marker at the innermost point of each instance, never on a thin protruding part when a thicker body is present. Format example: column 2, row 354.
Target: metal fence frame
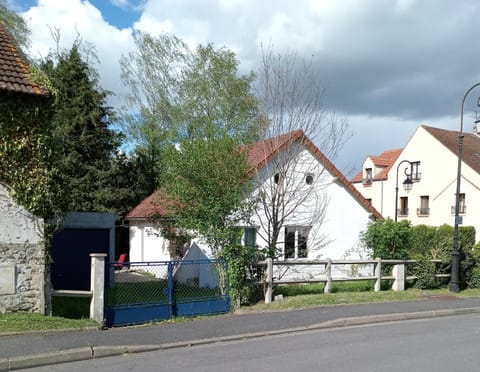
column 141, row 292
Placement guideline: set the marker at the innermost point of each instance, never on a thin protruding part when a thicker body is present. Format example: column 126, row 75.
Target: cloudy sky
column 388, row 66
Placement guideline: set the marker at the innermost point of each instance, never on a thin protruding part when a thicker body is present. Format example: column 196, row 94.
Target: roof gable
column 449, row 138
column 14, row 76
column 385, row 160
column 260, row 154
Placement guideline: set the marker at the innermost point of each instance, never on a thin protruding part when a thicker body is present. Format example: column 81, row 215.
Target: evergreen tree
column 85, row 142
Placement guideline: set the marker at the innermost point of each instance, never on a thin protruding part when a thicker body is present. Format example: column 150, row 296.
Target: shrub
column 243, row 272
column 425, row 271
column 388, row 239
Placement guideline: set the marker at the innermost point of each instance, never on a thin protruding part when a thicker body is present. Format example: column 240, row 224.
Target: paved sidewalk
column 48, row 347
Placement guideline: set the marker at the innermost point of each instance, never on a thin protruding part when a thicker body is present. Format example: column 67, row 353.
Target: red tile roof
column 384, row 160
column 259, row 154
column 14, row 77
column 149, row 208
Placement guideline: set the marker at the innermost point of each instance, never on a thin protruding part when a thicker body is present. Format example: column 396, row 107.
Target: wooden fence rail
column 398, row 273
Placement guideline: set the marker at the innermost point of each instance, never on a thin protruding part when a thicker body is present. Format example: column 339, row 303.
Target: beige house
column 429, row 162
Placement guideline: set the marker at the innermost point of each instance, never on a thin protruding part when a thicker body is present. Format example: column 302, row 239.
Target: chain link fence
column 166, row 282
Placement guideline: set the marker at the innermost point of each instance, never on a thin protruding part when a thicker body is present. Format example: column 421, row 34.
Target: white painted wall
column 438, row 166
column 147, row 243
column 335, row 234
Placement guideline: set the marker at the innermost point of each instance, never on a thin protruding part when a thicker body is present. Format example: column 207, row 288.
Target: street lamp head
column 407, row 184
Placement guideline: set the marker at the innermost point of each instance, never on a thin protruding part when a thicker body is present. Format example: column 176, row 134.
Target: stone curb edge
column 86, row 353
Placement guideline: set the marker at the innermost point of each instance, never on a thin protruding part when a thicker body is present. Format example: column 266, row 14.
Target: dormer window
column 367, row 181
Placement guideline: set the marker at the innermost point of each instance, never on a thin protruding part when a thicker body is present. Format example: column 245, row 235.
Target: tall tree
column 177, row 94
column 151, row 74
column 291, row 99
column 82, row 122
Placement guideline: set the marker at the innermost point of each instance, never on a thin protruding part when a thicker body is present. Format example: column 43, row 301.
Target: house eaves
column 14, row 68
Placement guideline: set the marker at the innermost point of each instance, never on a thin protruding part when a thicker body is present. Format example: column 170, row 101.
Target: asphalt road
column 436, row 344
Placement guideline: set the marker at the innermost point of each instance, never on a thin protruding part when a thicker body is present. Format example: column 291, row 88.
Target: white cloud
column 389, row 66
column 120, row 3
column 76, row 18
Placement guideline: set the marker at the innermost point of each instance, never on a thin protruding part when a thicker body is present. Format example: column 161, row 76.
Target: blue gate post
column 173, row 310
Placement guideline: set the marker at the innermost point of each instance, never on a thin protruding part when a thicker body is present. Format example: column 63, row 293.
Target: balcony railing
column 416, row 177
column 423, row 211
column 402, row 212
column 462, row 209
column 367, row 182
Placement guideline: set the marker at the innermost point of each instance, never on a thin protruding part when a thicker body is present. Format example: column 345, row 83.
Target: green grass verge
column 21, row 322
column 295, row 297
column 71, row 307
column 305, row 296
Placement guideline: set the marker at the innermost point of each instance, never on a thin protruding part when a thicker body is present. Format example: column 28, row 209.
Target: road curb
column 86, row 353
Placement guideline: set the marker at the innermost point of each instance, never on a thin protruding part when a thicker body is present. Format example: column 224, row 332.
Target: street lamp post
column 407, row 184
column 454, row 278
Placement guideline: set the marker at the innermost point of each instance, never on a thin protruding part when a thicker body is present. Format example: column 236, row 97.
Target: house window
column 461, row 205
column 424, row 209
column 463, row 208
column 249, row 236
column 296, row 238
column 276, row 178
column 309, row 179
column 416, row 175
column 403, row 210
column 367, row 181
column 246, row 236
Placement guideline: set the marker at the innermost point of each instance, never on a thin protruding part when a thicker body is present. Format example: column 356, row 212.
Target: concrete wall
column 22, row 258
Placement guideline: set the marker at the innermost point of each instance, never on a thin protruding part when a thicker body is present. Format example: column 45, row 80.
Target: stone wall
column 22, row 258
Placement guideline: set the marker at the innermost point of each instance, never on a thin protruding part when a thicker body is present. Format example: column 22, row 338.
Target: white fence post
column 378, row 275
column 328, row 273
column 398, row 273
column 97, row 286
column 269, row 280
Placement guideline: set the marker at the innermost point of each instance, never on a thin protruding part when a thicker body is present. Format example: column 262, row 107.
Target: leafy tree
column 206, row 184
column 213, row 99
column 177, row 94
column 85, row 142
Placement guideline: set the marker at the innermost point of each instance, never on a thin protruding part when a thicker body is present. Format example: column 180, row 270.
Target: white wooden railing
column 398, row 274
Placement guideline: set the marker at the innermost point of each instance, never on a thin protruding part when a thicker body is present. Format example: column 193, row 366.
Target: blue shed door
column 70, row 253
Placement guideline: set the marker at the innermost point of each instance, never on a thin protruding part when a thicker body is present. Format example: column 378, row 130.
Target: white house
column 322, row 212
column 430, row 161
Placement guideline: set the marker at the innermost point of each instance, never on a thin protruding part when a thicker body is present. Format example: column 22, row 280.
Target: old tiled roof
column 471, row 145
column 385, row 160
column 14, row 68
column 259, row 154
column 149, row 208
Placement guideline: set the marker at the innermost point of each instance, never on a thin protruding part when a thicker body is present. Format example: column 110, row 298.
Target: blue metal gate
column 140, row 292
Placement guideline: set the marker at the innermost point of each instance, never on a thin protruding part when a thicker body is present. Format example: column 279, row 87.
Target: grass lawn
column 311, row 295
column 19, row 322
column 295, row 297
